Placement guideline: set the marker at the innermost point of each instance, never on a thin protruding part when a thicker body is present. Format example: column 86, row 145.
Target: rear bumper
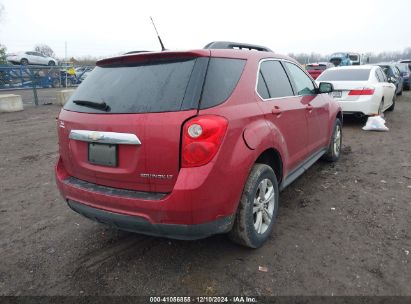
column 141, row 225
column 196, row 208
column 365, row 106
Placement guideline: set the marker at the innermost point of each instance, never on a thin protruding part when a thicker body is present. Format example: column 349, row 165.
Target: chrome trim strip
column 105, row 137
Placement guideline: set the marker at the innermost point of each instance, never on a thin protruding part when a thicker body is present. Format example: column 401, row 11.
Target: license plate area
column 336, row 94
column 102, row 154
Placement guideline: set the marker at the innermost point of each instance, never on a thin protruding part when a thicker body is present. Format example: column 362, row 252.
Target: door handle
column 276, row 110
column 309, row 107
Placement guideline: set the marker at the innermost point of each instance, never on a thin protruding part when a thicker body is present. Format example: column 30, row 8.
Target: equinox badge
column 156, row 176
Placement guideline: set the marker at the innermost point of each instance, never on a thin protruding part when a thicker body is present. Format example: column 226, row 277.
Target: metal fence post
column 33, row 82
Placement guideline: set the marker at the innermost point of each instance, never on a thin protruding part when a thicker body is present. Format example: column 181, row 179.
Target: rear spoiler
column 147, row 56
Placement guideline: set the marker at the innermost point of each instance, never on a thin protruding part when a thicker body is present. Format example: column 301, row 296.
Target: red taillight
column 364, row 91
column 202, row 137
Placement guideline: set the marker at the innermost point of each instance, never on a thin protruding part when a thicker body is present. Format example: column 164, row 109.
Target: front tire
column 51, row 63
column 258, row 208
column 334, row 149
column 24, row 61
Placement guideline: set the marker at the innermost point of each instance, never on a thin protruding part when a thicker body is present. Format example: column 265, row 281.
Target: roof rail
column 236, row 45
column 135, row 52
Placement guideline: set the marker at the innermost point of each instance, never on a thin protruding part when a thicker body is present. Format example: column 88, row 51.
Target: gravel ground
column 342, row 229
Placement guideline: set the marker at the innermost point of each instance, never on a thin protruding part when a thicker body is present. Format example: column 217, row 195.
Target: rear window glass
column 403, row 67
column 158, row 86
column 320, row 67
column 222, row 77
column 150, row 87
column 345, row 75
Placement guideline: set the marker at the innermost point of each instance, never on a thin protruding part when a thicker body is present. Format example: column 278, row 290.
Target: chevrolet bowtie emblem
column 95, row 136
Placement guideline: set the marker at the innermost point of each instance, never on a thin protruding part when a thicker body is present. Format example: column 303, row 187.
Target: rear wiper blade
column 92, row 104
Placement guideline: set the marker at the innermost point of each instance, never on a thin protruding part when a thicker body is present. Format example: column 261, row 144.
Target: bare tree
column 44, row 49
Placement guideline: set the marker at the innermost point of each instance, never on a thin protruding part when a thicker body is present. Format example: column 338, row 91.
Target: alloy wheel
column 263, row 207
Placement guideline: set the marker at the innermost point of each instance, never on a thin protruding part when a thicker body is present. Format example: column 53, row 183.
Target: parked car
column 30, row 57
column 405, row 70
column 190, row 144
column 362, row 90
column 394, row 75
column 315, row 69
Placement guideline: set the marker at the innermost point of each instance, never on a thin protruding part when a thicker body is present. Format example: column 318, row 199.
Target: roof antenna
column 158, row 36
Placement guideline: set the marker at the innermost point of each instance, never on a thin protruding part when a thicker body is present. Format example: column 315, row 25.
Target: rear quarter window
column 222, row 77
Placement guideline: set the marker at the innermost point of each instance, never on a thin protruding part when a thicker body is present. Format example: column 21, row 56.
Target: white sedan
column 30, row 57
column 362, row 89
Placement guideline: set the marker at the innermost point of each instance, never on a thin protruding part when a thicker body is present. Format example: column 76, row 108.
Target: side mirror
column 391, row 79
column 325, row 87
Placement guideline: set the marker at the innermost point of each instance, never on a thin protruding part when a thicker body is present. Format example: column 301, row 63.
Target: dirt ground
column 342, row 229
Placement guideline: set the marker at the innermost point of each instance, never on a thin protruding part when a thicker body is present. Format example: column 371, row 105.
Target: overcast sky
column 104, row 28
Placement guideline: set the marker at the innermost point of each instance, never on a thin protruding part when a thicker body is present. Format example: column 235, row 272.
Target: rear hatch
column 133, row 141
column 122, row 126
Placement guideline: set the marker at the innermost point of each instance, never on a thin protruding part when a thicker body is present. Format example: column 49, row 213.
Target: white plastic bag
column 375, row 123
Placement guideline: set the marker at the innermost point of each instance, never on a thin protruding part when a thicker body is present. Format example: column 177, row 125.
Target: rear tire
column 51, row 63
column 257, row 209
column 391, row 108
column 381, row 107
column 334, row 149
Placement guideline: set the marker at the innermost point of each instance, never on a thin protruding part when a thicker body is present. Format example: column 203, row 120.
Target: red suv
column 189, row 144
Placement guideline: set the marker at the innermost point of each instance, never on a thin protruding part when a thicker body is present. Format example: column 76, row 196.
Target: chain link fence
column 14, row 77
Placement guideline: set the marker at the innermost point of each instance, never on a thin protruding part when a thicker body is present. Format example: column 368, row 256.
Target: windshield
column 345, row 75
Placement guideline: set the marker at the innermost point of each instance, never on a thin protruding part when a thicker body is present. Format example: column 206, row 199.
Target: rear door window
column 396, row 72
column 378, row 76
column 382, row 75
column 302, row 83
column 273, row 81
